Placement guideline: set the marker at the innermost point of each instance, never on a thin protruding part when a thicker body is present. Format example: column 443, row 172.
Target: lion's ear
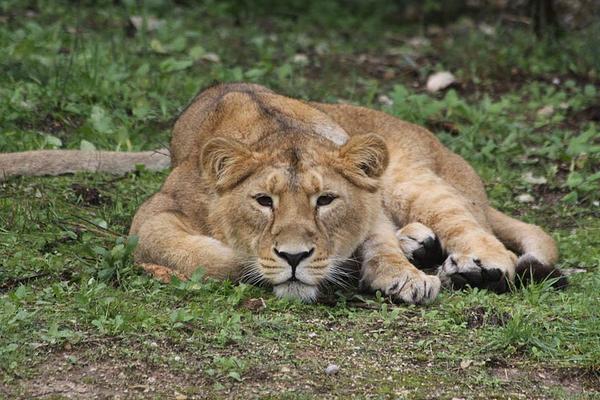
column 364, row 159
column 226, row 162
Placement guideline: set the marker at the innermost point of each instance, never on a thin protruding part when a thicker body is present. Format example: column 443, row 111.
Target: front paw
column 493, row 273
column 412, row 287
column 420, row 245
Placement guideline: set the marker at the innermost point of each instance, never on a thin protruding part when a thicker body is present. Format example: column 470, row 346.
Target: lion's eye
column 325, row 200
column 265, row 201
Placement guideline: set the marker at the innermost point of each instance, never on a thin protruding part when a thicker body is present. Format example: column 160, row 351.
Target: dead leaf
column 525, row 198
column 534, row 180
column 385, row 100
column 152, row 23
column 439, row 81
column 212, row 57
column 300, row 58
column 545, row 111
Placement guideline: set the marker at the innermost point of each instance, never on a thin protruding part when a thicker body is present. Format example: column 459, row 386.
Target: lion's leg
column 476, row 256
column 165, row 241
column 420, row 245
column 537, row 250
column 385, row 268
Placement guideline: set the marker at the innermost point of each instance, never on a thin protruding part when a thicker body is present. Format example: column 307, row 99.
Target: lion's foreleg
column 386, row 268
column 476, row 256
column 165, row 240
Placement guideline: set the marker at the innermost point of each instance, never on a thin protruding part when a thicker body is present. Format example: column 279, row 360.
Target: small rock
column 180, row 396
column 385, row 100
column 300, row 58
column 545, row 111
column 487, row 29
column 285, row 370
column 312, row 335
column 152, row 23
column 534, row 180
column 464, row 364
column 525, row 198
column 439, row 81
column 212, row 57
column 418, row 41
column 332, row 369
column 556, row 81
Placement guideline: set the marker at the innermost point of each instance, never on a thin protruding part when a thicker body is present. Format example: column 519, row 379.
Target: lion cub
column 265, row 188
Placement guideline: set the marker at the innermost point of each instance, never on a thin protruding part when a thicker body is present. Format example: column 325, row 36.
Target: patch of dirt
column 254, row 305
column 545, row 378
column 588, row 114
column 89, row 195
column 479, row 316
column 548, row 196
column 59, row 127
column 106, row 378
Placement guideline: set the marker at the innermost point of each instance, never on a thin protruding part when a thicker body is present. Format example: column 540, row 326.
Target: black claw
column 474, row 278
column 419, row 255
column 500, row 286
column 394, row 287
column 458, row 282
column 414, row 295
column 491, row 275
column 429, row 255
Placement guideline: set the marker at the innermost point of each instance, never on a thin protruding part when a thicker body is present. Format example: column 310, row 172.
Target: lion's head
column 295, row 206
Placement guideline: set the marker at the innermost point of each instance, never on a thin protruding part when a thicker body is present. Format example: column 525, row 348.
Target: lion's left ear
column 363, row 159
column 227, row 162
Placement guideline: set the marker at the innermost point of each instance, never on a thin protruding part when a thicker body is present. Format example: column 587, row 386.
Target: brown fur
column 236, row 142
column 58, row 162
column 250, row 170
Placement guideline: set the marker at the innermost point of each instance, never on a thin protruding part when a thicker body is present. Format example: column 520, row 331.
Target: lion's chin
column 297, row 290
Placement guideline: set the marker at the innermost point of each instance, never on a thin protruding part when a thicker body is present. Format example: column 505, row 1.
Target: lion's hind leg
column 536, row 249
column 475, row 256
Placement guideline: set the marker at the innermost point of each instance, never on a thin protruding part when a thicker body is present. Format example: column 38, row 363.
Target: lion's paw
column 460, row 271
column 413, row 288
column 420, row 245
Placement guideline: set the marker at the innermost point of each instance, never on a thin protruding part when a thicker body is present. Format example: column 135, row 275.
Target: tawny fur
column 237, row 141
column 58, row 162
column 419, row 181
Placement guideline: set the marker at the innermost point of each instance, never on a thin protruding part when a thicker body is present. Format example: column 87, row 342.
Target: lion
column 273, row 190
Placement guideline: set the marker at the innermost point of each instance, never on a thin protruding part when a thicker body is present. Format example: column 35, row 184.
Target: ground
column 79, row 320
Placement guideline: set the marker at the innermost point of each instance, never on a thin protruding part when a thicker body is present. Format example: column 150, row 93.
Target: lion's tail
column 536, row 249
column 58, row 162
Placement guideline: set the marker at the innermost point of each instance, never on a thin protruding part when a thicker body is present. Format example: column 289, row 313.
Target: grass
column 77, row 318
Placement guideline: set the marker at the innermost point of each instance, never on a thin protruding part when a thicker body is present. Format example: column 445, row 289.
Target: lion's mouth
column 295, row 288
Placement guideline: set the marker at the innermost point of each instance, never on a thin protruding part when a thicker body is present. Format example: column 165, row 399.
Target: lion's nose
column 293, row 259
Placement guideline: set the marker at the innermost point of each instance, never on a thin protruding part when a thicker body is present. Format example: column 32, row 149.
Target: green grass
column 75, row 312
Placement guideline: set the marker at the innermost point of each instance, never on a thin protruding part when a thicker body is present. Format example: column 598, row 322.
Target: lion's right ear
column 227, row 162
column 363, row 159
